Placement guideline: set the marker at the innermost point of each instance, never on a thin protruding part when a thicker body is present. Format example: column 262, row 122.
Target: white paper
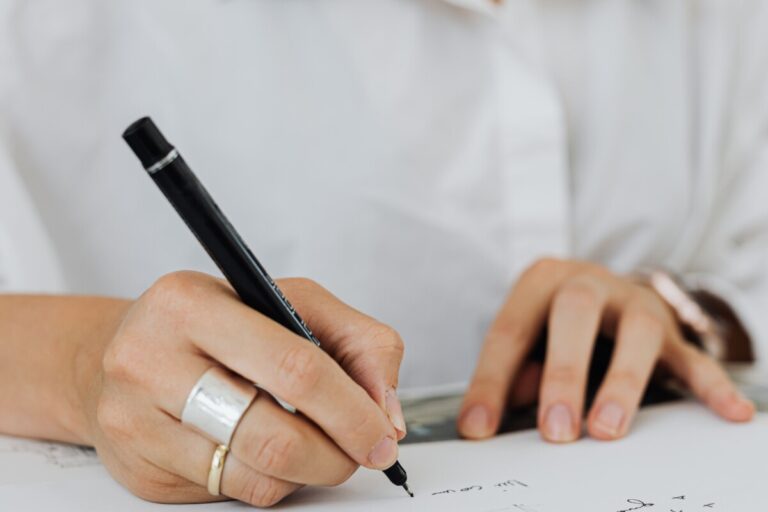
column 678, row 458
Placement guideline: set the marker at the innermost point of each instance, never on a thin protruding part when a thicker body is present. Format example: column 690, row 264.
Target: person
column 420, row 159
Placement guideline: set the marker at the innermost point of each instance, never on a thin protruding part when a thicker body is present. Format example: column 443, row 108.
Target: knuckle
column 382, row 336
column 561, row 375
column 581, row 292
column 299, row 370
column 642, row 294
column 681, row 359
column 597, row 271
column 273, row 453
column 646, row 319
column 651, row 301
column 699, row 366
column 113, row 420
column 175, row 283
column 263, row 491
column 154, row 487
column 626, row 379
column 398, row 346
column 174, row 293
column 702, row 374
column 300, row 283
column 362, row 426
column 543, row 266
column 120, row 361
column 506, row 333
column 303, row 290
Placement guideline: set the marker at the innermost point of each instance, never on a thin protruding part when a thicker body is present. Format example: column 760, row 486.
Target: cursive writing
column 477, row 488
column 640, row 504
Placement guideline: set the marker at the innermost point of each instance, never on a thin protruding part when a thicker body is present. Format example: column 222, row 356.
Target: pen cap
column 147, row 142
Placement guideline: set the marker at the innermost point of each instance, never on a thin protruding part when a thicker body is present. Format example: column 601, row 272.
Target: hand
column 187, row 323
column 576, row 301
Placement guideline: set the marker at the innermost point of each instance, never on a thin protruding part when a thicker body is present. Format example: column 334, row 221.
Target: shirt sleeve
column 28, row 262
column 732, row 260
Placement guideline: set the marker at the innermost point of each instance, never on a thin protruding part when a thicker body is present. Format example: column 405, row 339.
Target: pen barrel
column 221, row 241
column 225, row 246
column 396, row 474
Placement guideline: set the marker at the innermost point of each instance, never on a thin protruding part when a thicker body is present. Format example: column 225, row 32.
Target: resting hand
column 576, row 301
column 187, row 323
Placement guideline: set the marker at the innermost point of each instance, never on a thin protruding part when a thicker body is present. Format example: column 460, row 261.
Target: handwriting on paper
column 679, row 503
column 61, row 455
column 505, row 485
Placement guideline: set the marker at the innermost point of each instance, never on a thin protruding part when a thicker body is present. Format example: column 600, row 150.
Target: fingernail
column 395, row 411
column 734, row 405
column 475, row 422
column 610, row 418
column 725, row 398
column 558, row 424
column 743, row 400
column 383, row 454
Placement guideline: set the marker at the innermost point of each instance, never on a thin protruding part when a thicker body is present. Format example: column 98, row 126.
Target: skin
column 576, row 301
column 115, row 375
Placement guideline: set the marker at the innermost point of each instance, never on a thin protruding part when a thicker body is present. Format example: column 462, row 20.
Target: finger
column 525, row 391
column 128, row 446
column 183, row 452
column 638, row 344
column 301, row 374
column 369, row 351
column 209, row 315
column 270, row 439
column 152, row 483
column 285, row 446
column 574, row 322
column 708, row 381
column 508, row 342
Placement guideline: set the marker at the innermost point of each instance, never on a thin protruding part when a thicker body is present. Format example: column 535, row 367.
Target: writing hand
column 187, row 323
column 576, row 301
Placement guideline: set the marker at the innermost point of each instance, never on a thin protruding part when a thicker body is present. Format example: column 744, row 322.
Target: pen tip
column 405, row 486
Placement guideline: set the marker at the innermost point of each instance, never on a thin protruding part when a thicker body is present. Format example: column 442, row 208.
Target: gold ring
column 217, row 469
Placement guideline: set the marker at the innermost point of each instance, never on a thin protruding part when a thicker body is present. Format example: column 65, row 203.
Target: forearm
column 50, row 347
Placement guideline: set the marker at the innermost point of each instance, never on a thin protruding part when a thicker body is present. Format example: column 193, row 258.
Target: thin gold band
column 217, row 469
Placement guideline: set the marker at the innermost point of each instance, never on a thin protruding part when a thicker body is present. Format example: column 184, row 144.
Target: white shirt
column 413, row 156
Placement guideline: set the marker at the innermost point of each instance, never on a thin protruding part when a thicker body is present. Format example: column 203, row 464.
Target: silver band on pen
column 165, row 162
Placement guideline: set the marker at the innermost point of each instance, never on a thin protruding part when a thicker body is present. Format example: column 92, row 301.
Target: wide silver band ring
column 217, row 403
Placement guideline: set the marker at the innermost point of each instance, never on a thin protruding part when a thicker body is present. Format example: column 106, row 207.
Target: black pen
column 224, row 245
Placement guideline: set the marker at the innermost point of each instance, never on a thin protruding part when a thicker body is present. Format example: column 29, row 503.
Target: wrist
column 737, row 342
column 705, row 319
column 85, row 373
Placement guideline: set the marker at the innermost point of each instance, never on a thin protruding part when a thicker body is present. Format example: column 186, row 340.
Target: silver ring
column 217, row 403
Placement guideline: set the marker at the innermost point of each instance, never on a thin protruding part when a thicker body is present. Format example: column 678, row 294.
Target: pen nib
column 405, row 486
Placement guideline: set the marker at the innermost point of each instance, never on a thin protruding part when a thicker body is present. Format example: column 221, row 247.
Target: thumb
column 369, row 352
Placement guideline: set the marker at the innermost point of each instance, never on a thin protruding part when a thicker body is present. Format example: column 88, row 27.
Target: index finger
column 296, row 371
column 508, row 342
column 369, row 351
